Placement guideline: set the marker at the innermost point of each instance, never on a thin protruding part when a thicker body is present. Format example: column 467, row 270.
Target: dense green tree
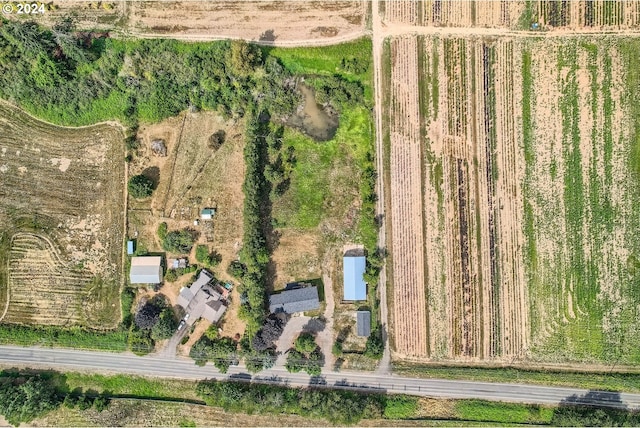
column 166, row 325
column 23, row 399
column 140, row 187
column 179, row 241
column 305, row 343
column 374, row 346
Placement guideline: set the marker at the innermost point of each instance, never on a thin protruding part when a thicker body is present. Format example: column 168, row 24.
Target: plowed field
column 517, row 14
column 61, row 222
column 264, row 20
column 522, row 241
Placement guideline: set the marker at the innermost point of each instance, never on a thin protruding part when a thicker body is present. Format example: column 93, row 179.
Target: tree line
column 79, row 78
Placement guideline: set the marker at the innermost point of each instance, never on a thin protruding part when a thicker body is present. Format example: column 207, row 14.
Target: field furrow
column 409, row 304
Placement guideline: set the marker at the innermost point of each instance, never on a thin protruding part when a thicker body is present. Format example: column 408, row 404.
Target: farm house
column 202, row 300
column 146, row 270
column 354, row 286
column 295, row 300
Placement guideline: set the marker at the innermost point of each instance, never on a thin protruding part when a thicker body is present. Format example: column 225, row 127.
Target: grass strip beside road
column 623, row 382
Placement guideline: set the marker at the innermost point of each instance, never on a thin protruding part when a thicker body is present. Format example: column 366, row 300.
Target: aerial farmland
column 513, row 237
column 61, row 226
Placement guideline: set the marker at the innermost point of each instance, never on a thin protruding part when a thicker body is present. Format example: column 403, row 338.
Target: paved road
column 67, row 359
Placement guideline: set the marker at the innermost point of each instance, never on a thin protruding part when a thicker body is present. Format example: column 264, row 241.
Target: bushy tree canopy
column 140, row 187
column 148, row 315
column 179, row 241
column 22, row 400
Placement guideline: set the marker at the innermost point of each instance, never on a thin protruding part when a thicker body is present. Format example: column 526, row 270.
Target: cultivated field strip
column 63, row 188
column 409, row 303
column 43, row 289
column 587, row 13
column 516, row 14
column 472, row 206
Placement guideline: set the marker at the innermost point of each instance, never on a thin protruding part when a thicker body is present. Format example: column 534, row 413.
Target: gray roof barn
column 146, row 270
column 363, row 323
column 202, row 300
column 296, row 300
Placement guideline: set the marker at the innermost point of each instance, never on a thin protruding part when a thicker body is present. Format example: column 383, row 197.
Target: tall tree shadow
column 595, row 408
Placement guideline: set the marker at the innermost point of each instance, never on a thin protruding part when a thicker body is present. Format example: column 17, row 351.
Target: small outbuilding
column 296, row 300
column 130, row 247
column 363, row 323
column 146, row 270
column 354, row 286
column 207, row 213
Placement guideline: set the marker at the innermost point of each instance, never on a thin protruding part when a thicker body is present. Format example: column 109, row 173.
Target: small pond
column 313, row 119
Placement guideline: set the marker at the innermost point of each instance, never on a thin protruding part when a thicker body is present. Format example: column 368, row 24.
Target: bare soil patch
column 296, row 258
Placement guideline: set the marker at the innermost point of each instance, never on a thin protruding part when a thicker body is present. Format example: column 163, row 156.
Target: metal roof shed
column 297, row 300
column 363, row 323
column 354, row 285
column 129, row 248
column 207, row 213
column 146, row 270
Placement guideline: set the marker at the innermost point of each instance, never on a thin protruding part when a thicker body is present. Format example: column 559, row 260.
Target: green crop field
column 530, row 197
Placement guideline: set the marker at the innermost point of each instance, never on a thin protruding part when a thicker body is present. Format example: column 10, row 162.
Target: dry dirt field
column 513, row 236
column 251, row 20
column 61, row 222
column 586, row 15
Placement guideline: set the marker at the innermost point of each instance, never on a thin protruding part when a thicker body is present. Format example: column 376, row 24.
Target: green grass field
column 581, row 201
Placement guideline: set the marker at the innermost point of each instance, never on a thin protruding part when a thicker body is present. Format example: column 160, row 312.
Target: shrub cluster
column 339, row 407
column 153, row 321
column 68, row 78
column 305, row 356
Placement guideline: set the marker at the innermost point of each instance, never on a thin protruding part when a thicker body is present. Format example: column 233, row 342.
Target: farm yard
column 586, row 15
column 523, row 199
column 61, row 222
column 190, row 177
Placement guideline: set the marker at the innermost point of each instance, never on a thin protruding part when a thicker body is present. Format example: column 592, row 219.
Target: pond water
column 312, row 119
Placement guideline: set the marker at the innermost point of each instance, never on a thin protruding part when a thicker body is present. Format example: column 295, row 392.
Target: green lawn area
column 325, row 178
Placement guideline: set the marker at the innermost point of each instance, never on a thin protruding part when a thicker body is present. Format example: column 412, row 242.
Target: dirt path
column 378, row 39
column 325, row 337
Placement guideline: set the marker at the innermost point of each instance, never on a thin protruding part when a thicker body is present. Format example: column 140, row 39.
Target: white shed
column 146, row 270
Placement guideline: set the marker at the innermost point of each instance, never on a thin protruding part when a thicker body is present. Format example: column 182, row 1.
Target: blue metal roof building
column 354, row 285
column 129, row 248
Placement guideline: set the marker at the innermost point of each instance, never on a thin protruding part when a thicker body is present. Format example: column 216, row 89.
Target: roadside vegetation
column 604, row 380
column 73, row 398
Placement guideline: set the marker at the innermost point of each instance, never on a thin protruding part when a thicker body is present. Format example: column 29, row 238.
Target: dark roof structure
column 296, row 300
column 363, row 323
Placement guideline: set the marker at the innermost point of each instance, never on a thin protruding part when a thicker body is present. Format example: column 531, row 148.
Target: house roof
column 354, row 285
column 201, row 300
column 146, row 270
column 363, row 323
column 297, row 300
